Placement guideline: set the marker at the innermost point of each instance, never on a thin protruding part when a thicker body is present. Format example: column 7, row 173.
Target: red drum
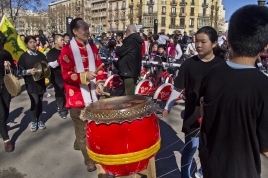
column 122, row 133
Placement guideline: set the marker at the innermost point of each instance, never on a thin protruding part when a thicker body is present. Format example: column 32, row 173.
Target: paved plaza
column 49, row 153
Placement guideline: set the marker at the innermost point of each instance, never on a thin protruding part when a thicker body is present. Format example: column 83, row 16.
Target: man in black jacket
column 130, row 57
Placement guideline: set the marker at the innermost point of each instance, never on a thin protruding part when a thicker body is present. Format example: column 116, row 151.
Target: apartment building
column 115, row 15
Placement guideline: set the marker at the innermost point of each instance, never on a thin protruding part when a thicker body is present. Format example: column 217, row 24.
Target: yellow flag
column 13, row 44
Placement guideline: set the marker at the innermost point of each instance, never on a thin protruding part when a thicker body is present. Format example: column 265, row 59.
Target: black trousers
column 5, row 99
column 36, row 106
column 60, row 97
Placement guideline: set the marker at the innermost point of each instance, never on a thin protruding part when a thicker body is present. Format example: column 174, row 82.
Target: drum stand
column 147, row 173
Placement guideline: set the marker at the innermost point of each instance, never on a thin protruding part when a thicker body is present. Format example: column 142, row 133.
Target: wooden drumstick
column 97, row 70
column 105, row 93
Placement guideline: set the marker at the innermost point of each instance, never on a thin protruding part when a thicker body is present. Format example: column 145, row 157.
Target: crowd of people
column 225, row 107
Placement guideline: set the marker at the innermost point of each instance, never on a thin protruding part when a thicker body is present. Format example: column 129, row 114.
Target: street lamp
column 261, row 2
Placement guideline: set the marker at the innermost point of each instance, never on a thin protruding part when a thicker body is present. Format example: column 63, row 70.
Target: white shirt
column 162, row 39
column 221, row 40
column 191, row 46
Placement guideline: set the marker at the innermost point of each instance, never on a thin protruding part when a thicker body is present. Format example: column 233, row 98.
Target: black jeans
column 5, row 98
column 36, row 106
column 60, row 97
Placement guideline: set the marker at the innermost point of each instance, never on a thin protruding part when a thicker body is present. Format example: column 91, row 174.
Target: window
column 163, row 21
column 183, row 1
column 164, row 1
column 124, row 3
column 150, row 10
column 191, row 22
column 182, row 10
column 192, row 10
column 205, row 1
column 173, row 20
column 182, row 21
column 192, row 2
column 173, row 10
column 163, row 9
column 204, row 12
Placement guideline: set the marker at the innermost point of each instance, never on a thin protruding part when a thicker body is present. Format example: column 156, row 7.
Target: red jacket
column 72, row 79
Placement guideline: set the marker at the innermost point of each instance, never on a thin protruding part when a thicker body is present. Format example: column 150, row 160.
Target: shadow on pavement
column 168, row 146
column 22, row 127
column 13, row 115
column 48, row 110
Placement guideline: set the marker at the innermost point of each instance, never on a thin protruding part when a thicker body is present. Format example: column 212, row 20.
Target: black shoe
column 91, row 167
column 63, row 115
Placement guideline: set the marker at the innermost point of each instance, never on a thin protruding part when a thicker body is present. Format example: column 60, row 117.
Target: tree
column 13, row 7
column 221, row 23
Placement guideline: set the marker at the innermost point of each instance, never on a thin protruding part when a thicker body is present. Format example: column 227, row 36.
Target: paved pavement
column 49, row 153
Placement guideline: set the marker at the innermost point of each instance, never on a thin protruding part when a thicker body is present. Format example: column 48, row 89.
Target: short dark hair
column 155, row 36
column 74, row 24
column 248, row 30
column 22, row 35
column 28, row 38
column 120, row 34
column 56, row 36
column 66, row 34
column 210, row 32
column 161, row 46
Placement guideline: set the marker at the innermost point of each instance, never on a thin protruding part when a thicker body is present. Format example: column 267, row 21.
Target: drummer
column 78, row 60
column 35, row 89
column 6, row 62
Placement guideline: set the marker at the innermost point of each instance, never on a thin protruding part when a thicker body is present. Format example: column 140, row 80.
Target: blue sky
column 232, row 5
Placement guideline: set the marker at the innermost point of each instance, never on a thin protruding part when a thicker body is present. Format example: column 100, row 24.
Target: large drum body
column 122, row 133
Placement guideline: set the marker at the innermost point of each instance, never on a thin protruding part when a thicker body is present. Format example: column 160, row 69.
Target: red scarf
column 172, row 49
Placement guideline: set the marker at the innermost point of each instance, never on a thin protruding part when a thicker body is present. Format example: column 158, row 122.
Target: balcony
column 98, row 7
column 150, row 14
column 192, row 3
column 183, row 3
column 103, row 14
column 182, row 14
column 191, row 14
column 116, row 18
column 205, row 5
column 116, row 8
column 123, row 7
column 163, row 13
column 150, row 3
column 173, row 14
column 203, row 15
column 191, row 26
column 163, row 2
column 163, row 25
column 112, row 0
column 172, row 26
column 110, row 19
column 110, row 8
column 173, row 3
column 147, row 25
column 94, row 1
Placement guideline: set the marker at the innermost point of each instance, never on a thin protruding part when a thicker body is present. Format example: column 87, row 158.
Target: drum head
column 12, row 85
column 120, row 109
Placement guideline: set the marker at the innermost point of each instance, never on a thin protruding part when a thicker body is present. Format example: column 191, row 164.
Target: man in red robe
column 79, row 60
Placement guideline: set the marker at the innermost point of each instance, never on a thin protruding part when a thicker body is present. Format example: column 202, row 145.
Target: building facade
column 115, row 15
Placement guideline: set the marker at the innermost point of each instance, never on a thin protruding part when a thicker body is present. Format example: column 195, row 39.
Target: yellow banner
column 13, row 44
